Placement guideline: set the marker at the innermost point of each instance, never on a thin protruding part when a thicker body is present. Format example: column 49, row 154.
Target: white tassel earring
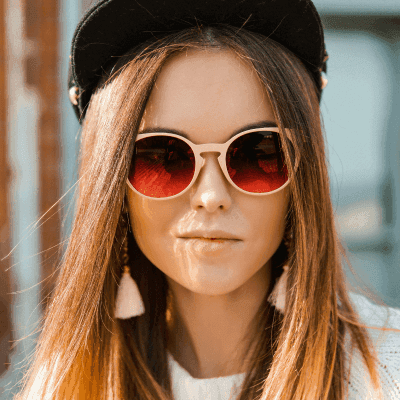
column 129, row 302
column 278, row 296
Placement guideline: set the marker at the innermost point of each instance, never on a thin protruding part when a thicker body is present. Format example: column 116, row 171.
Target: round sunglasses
column 165, row 165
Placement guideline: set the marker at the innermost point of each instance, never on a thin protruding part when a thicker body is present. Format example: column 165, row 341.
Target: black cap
column 111, row 27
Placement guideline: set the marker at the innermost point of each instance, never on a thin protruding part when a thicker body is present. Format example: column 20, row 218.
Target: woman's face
column 208, row 95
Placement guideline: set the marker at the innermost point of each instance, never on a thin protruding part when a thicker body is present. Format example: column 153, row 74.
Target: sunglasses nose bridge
column 203, row 158
column 203, row 153
column 204, row 149
column 210, row 148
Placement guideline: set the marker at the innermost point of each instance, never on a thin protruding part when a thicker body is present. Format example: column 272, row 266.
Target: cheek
column 268, row 224
column 151, row 221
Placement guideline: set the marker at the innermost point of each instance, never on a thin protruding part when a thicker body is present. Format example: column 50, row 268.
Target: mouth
column 211, row 235
column 210, row 239
column 200, row 246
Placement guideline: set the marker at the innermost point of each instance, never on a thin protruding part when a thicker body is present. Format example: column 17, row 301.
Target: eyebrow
column 261, row 124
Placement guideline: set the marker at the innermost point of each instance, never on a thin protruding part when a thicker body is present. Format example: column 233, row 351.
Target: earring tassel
column 129, row 302
column 278, row 295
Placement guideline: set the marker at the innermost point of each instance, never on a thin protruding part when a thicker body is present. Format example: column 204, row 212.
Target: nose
column 211, row 189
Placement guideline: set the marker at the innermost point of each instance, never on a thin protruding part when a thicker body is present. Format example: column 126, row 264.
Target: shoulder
column 387, row 346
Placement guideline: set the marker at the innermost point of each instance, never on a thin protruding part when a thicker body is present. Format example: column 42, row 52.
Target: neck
column 209, row 335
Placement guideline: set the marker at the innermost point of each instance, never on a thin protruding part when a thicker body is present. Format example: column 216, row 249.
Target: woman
column 204, row 261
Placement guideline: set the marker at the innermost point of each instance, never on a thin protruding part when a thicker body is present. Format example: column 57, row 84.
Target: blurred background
column 38, row 153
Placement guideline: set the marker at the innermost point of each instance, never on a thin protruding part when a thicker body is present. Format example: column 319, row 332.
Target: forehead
column 207, row 95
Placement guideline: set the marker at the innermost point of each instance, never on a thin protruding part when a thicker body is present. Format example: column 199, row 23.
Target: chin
column 213, row 290
column 215, row 284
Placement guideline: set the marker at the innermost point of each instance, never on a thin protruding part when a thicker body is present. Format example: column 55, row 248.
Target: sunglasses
column 166, row 165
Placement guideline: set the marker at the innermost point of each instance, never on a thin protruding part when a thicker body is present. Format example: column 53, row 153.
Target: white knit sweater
column 387, row 344
column 185, row 387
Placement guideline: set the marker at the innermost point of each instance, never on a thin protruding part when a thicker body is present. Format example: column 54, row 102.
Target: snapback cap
column 111, row 27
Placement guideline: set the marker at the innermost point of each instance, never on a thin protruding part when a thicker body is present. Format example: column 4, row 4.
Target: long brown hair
column 84, row 352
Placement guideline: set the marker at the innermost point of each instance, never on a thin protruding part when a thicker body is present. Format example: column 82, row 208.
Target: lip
column 210, row 239
column 213, row 235
column 205, row 247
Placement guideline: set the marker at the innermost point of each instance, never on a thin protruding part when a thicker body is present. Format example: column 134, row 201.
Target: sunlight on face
column 208, row 95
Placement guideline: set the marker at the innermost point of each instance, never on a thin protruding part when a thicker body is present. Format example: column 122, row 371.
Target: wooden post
column 49, row 138
column 5, row 207
column 42, row 29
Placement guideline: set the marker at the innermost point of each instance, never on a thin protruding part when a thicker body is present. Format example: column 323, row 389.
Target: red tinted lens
column 162, row 166
column 255, row 162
